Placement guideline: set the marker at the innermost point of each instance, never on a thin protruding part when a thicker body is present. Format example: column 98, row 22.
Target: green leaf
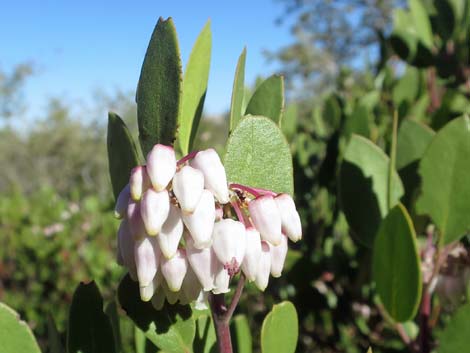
column 53, row 337
column 454, row 337
column 238, row 92
column 358, row 122
column 122, row 153
column 258, row 155
column 280, row 329
column 421, row 22
column 15, row 334
column 289, row 121
column 396, row 266
column 171, row 329
column 159, row 89
column 194, row 89
column 407, row 87
column 241, row 334
column 404, row 39
column 89, row 329
column 206, row 339
column 111, row 311
column 445, row 194
column 268, row 99
column 413, row 139
column 363, row 180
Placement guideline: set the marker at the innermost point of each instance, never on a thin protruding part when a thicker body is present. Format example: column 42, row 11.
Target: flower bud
column 278, row 257
column 252, row 253
column 170, row 235
column 229, row 244
column 126, row 245
column 161, row 166
column 215, row 179
column 147, row 258
column 154, row 208
column 221, row 281
column 203, row 262
column 190, row 288
column 290, row 218
column 120, row 210
column 136, row 224
column 146, row 292
column 139, row 182
column 188, row 185
column 264, row 267
column 266, row 218
column 174, row 270
column 201, row 222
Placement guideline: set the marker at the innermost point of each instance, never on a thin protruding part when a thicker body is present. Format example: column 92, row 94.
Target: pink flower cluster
column 185, row 231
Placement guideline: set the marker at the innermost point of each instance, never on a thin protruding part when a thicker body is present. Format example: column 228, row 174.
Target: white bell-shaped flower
column 136, row 224
column 146, row 292
column 215, row 179
column 201, row 301
column 147, row 258
column 264, row 267
column 221, row 281
column 266, row 218
column 126, row 245
column 229, row 244
column 278, row 257
column 139, row 182
column 200, row 223
column 188, row 184
column 203, row 262
column 174, row 270
column 252, row 253
column 171, row 233
column 190, row 288
column 154, row 208
column 120, row 210
column 161, row 166
column 290, row 218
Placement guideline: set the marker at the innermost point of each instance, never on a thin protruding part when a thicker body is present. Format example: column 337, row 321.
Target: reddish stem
column 253, row 191
column 238, row 211
column 222, row 328
column 186, row 158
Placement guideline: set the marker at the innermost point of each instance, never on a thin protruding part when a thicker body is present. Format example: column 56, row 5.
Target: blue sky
column 79, row 47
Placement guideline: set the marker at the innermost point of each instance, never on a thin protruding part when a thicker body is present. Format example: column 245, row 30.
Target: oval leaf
column 241, row 334
column 238, row 92
column 454, row 337
column 122, row 153
column 422, row 23
column 171, row 329
column 268, row 99
column 445, row 192
column 89, row 329
column 396, row 267
column 194, row 89
column 363, row 180
column 280, row 329
column 258, row 155
column 159, row 88
column 15, row 334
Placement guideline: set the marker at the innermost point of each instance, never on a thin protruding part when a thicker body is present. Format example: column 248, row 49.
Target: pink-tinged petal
column 154, row 208
column 264, row 267
column 120, row 210
column 252, row 253
column 278, row 257
column 136, row 224
column 147, row 258
column 161, row 166
column 201, row 222
column 215, row 179
column 171, row 233
column 139, row 182
column 229, row 244
column 266, row 218
column 188, row 184
column 290, row 218
column 203, row 262
column 174, row 270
